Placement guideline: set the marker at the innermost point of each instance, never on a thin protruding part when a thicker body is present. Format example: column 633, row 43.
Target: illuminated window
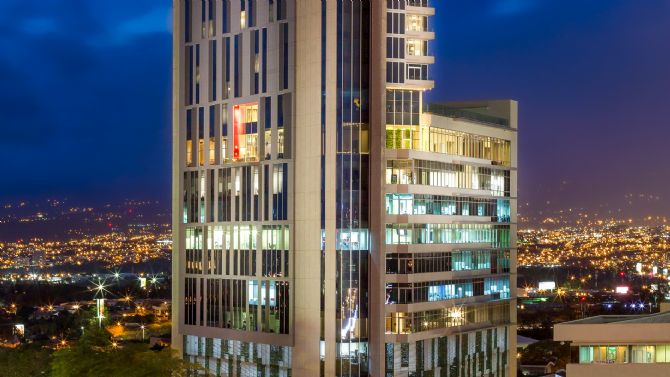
column 415, row 23
column 245, row 136
column 189, row 153
column 224, row 149
column 280, row 143
column 201, row 152
column 402, row 137
column 243, row 19
column 415, row 47
column 212, row 151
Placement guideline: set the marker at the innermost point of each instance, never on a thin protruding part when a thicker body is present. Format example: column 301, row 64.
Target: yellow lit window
column 365, row 143
column 415, row 23
column 224, row 149
column 280, row 143
column 212, row 151
column 201, row 152
column 249, row 147
column 189, row 153
column 402, row 137
column 414, row 47
column 250, row 113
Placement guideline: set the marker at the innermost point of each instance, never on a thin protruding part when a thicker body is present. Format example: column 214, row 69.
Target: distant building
column 327, row 221
column 618, row 345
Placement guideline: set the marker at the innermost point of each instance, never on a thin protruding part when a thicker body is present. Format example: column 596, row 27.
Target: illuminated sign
column 546, row 286
column 621, row 290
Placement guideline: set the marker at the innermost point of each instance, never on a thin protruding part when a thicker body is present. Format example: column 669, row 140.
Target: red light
column 237, row 131
column 622, row 273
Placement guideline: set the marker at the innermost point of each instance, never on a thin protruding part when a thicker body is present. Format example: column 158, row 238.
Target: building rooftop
column 485, row 112
column 616, row 329
column 663, row 317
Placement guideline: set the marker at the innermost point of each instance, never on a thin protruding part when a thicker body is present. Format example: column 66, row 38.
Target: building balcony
column 420, row 34
column 420, row 7
column 437, row 276
column 414, row 85
column 420, row 59
column 467, row 115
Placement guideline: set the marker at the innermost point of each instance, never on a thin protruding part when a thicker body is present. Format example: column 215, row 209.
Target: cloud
column 156, row 20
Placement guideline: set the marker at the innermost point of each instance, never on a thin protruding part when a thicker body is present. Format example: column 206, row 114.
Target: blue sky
column 85, row 94
column 84, row 105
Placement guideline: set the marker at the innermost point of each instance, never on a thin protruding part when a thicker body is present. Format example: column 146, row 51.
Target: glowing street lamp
column 100, row 289
column 100, row 310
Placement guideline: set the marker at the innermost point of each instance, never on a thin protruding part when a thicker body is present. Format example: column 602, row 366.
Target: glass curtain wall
column 353, row 33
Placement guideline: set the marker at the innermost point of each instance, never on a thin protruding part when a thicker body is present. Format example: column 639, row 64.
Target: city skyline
column 353, row 188
column 578, row 68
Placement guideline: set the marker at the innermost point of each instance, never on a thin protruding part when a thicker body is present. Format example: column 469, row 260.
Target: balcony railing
column 451, row 112
column 417, row 3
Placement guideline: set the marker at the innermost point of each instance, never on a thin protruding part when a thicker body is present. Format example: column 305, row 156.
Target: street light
column 142, row 327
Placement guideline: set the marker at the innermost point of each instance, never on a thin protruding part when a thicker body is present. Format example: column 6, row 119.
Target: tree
column 96, row 355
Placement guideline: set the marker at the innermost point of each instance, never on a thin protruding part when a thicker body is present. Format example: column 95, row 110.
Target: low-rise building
column 618, row 345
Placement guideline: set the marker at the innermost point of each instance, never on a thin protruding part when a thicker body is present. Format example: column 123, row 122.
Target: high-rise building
column 327, row 220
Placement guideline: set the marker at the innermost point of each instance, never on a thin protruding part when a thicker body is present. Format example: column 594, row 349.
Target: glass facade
column 224, row 357
column 417, row 234
column 433, row 291
column 449, row 210
column 439, row 140
column 493, row 181
column 479, row 353
column 496, row 261
column 620, row 354
column 235, row 176
column 351, row 181
column 418, row 204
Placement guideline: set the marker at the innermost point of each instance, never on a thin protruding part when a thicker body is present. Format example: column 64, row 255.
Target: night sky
column 85, row 96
